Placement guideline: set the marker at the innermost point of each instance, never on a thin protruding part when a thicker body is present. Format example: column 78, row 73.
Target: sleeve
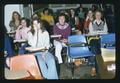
column 52, row 20
column 47, row 40
column 32, row 39
column 69, row 30
column 54, row 29
column 105, row 28
column 90, row 28
column 11, row 26
column 17, row 35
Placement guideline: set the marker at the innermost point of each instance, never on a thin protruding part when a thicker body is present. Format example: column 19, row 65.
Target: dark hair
column 45, row 9
column 41, row 24
column 13, row 19
column 70, row 12
column 61, row 14
column 26, row 20
column 88, row 12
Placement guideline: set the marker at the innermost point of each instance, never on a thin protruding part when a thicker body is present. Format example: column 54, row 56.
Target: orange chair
column 26, row 62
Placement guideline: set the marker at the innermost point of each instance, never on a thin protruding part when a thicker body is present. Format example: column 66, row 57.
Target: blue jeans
column 8, row 46
column 22, row 49
column 47, row 65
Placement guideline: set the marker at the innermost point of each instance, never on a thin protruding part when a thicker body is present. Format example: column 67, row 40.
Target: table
column 20, row 41
column 55, row 36
column 11, row 33
column 105, row 61
column 35, row 49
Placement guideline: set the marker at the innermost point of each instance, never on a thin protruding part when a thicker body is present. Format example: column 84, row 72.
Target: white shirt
column 43, row 39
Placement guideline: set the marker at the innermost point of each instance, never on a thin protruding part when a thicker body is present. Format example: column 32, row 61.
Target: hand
column 64, row 40
column 20, row 27
column 87, row 18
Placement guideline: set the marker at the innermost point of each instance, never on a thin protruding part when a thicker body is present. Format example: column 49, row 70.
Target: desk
column 104, row 61
column 20, row 41
column 19, row 44
column 55, row 36
column 11, row 33
column 108, row 54
column 35, row 49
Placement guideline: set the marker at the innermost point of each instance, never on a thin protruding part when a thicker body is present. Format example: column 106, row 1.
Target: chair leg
column 72, row 68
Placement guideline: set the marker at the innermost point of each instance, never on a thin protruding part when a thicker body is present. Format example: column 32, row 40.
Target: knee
column 58, row 47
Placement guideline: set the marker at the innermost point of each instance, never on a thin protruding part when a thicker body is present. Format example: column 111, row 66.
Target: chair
column 26, row 62
column 108, row 47
column 108, row 41
column 107, row 58
column 78, row 48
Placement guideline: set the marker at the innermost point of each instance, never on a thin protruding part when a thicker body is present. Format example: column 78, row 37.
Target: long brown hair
column 19, row 17
column 41, row 25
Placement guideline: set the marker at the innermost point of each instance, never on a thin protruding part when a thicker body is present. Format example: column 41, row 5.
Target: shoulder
column 11, row 21
column 45, row 32
column 57, row 24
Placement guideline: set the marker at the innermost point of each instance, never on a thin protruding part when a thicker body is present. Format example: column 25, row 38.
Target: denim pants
column 47, row 65
column 8, row 46
column 22, row 48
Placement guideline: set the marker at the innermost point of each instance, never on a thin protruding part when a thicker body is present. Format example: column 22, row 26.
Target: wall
column 8, row 9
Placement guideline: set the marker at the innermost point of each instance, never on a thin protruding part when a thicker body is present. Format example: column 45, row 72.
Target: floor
column 82, row 71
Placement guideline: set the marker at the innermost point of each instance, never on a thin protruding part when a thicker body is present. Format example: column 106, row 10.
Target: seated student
column 88, row 19
column 61, row 28
column 38, row 37
column 15, row 22
column 98, row 26
column 46, row 16
column 21, row 33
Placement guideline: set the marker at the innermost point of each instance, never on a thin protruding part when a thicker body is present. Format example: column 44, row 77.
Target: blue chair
column 78, row 48
column 108, row 47
column 108, row 41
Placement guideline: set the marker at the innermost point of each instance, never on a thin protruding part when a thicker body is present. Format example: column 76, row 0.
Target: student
column 38, row 37
column 74, row 20
column 98, row 26
column 21, row 33
column 46, row 16
column 88, row 19
column 61, row 28
column 15, row 22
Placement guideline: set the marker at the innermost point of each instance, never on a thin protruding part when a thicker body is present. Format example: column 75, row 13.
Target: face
column 98, row 15
column 81, row 9
column 46, row 12
column 62, row 20
column 15, row 15
column 36, row 25
column 90, row 13
column 23, row 23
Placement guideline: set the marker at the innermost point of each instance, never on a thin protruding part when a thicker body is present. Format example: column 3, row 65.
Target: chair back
column 77, row 47
column 26, row 62
column 108, row 40
column 76, row 39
